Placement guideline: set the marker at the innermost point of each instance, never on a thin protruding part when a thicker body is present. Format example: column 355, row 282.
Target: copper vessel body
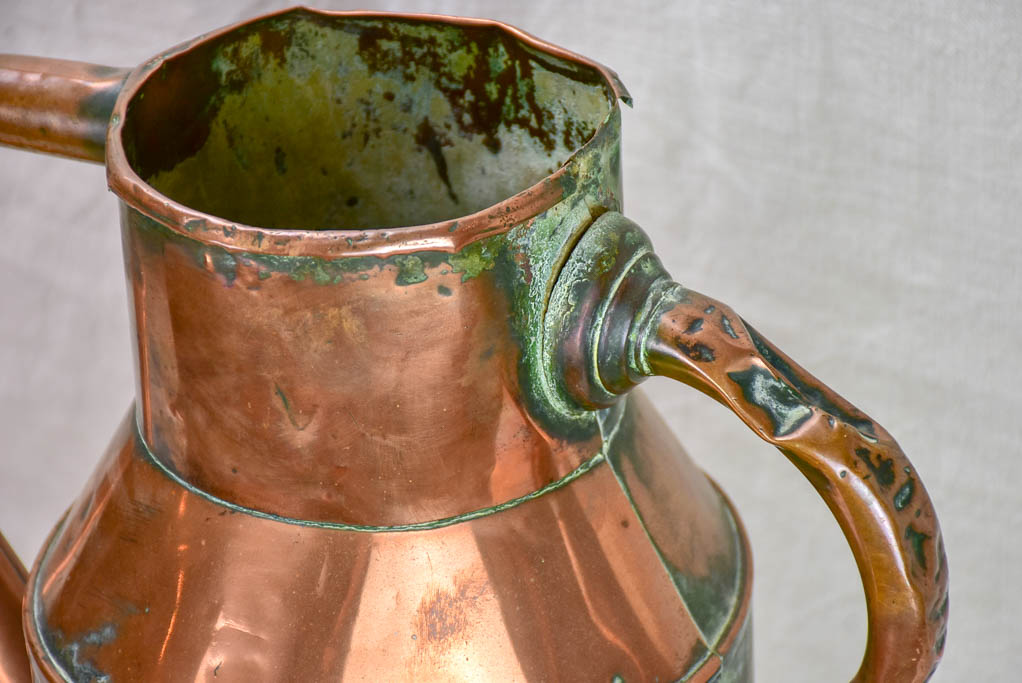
column 387, row 322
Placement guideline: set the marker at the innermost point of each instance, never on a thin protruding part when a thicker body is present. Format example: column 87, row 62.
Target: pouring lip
column 449, row 236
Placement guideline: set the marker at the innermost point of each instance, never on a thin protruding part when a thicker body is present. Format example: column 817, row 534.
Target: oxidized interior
column 306, row 121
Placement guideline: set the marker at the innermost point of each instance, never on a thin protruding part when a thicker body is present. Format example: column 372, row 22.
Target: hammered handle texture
column 616, row 317
column 855, row 465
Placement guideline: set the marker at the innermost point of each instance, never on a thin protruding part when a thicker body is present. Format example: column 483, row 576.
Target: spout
column 56, row 106
column 14, row 667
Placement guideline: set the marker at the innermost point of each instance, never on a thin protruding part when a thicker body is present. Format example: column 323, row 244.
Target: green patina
column 531, row 260
column 311, row 122
column 605, row 257
column 292, row 418
column 712, row 596
column 318, row 270
column 410, row 270
column 581, row 470
column 917, row 540
column 474, row 259
column 941, row 558
column 471, row 261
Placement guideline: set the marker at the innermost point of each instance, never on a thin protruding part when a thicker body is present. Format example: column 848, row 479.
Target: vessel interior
column 309, row 121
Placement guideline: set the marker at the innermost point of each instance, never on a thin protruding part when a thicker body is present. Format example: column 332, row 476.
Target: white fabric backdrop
column 845, row 175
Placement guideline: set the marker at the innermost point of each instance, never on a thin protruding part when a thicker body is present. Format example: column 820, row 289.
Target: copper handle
column 14, row 667
column 616, row 317
column 855, row 465
column 57, row 106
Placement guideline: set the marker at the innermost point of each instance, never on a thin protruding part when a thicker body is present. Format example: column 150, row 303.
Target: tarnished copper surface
column 13, row 656
column 441, row 235
column 345, row 467
column 150, row 581
column 362, row 401
column 370, row 452
column 390, row 377
column 708, row 561
column 57, row 106
column 618, row 318
column 854, row 463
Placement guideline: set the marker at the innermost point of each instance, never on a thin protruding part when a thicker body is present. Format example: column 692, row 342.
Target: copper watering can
column 388, row 322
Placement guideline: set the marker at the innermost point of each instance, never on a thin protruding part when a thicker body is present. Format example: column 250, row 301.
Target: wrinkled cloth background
column 846, row 175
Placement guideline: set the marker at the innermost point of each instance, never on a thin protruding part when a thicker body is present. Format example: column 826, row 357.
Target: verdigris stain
column 410, row 270
column 781, row 403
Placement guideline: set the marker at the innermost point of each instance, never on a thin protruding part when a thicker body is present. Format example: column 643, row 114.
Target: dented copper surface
column 385, row 310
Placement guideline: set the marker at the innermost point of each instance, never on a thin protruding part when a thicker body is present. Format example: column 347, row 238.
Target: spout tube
column 14, row 667
column 57, row 106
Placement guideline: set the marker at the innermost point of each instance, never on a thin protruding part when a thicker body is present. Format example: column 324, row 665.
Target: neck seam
column 150, row 457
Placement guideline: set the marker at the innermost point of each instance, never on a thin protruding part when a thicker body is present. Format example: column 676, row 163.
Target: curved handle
column 14, row 666
column 626, row 320
column 56, row 106
column 855, row 465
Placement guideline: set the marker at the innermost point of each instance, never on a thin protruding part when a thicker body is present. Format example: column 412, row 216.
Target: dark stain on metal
column 410, row 270
column 811, row 394
column 74, row 655
column 288, row 410
column 219, row 261
column 150, row 150
column 917, row 539
column 280, row 160
column 444, row 615
column 709, row 309
column 694, row 326
column 496, row 88
column 882, row 469
column 904, row 495
column 427, row 137
column 697, row 351
column 941, row 560
column 938, row 646
column 443, row 291
column 941, row 611
column 96, row 109
column 783, row 405
column 725, row 325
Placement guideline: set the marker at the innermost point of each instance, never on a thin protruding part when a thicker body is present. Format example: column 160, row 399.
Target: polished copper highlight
column 388, row 321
